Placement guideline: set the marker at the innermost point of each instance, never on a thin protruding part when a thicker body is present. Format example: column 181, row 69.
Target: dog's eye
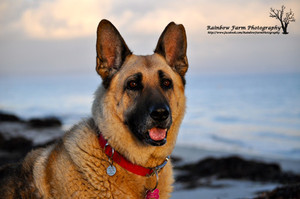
column 166, row 84
column 133, row 85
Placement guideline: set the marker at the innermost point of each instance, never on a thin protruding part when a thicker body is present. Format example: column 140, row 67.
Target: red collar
column 123, row 162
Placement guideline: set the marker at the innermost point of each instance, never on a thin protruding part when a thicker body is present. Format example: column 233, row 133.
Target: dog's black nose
column 160, row 113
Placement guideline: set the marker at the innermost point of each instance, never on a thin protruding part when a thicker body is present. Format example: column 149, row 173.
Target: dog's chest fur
column 79, row 161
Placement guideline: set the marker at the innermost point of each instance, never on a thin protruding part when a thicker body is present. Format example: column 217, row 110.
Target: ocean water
column 246, row 114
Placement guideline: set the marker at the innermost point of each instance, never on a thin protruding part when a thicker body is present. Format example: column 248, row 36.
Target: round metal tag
column 111, row 170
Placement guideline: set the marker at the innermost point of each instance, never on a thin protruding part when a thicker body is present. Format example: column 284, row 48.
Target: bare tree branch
column 278, row 14
column 289, row 17
column 274, row 14
column 281, row 11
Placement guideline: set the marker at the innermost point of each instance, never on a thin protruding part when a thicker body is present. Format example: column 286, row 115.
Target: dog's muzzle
column 151, row 126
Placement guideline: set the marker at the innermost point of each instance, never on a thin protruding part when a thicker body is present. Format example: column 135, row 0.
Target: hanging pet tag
column 111, row 170
column 152, row 194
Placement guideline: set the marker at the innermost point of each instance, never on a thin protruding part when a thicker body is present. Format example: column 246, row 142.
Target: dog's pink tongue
column 157, row 134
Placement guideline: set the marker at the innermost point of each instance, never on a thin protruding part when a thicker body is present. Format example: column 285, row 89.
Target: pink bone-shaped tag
column 152, row 194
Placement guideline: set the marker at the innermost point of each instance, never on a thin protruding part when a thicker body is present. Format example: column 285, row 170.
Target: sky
column 39, row 37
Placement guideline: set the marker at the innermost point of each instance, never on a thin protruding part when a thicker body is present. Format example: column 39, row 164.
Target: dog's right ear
column 111, row 50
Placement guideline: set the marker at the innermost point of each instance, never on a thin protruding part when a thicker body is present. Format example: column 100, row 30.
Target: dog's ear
column 172, row 45
column 111, row 50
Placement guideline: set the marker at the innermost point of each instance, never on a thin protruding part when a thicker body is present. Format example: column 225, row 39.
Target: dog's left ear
column 172, row 45
column 111, row 50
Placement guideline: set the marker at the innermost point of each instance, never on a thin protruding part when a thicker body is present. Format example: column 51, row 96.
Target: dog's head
column 141, row 95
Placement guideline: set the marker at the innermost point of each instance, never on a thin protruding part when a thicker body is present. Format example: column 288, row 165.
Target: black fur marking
column 183, row 80
column 16, row 181
column 139, row 120
column 106, row 81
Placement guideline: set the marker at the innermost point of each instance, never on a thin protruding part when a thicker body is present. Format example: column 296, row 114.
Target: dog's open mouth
column 157, row 136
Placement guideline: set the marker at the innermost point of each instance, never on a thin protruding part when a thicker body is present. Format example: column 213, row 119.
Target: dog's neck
column 116, row 157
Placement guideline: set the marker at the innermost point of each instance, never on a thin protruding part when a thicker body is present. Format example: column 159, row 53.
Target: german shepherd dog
column 122, row 150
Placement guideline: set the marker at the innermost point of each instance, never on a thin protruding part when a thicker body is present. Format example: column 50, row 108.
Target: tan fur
column 75, row 167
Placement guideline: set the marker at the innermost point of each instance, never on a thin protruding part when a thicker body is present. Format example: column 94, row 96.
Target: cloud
column 196, row 15
column 60, row 19
column 44, row 33
column 67, row 19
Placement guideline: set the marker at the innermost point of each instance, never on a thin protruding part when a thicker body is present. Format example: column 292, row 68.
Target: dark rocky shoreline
column 235, row 167
column 46, row 122
column 193, row 175
column 14, row 148
column 202, row 173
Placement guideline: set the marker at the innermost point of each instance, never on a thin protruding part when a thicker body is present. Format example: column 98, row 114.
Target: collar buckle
column 157, row 169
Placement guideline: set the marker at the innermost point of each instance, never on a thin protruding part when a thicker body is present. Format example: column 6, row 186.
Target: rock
column 44, row 122
column 15, row 144
column 285, row 192
column 10, row 158
column 33, row 122
column 13, row 149
column 5, row 117
column 2, row 140
column 235, row 168
column 176, row 159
